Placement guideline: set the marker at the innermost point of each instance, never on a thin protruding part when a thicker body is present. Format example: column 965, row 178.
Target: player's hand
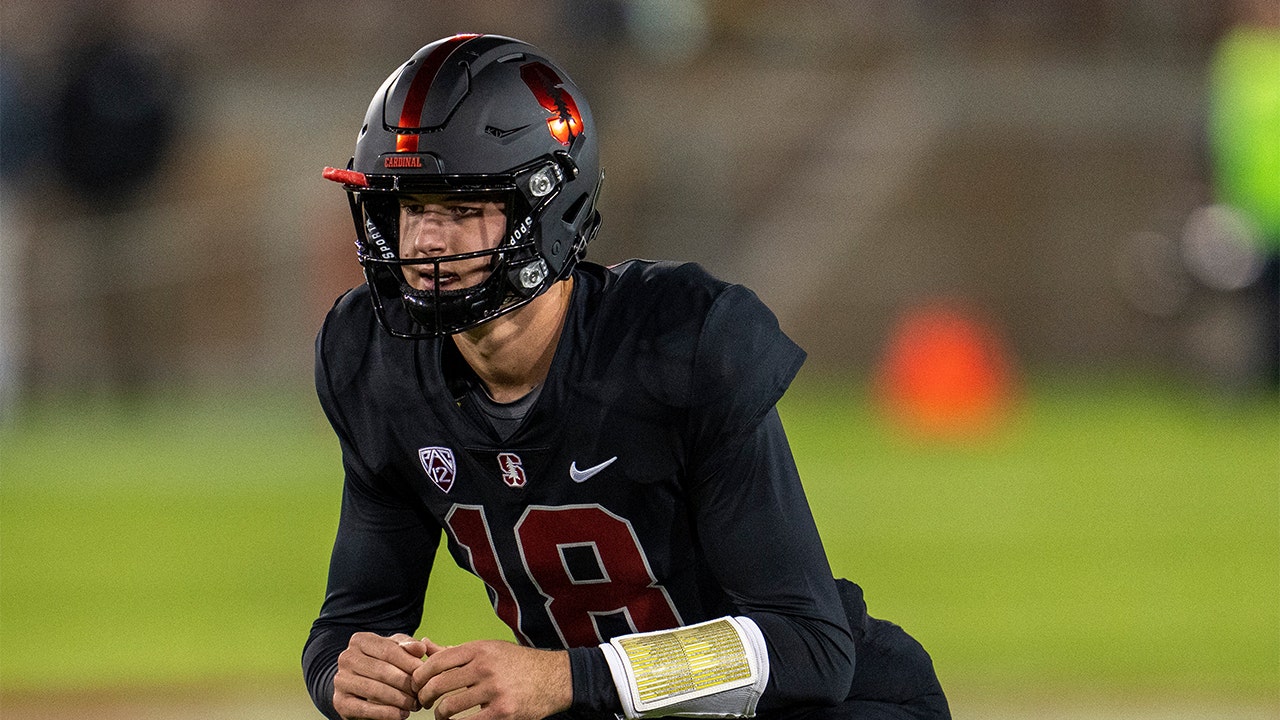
column 375, row 677
column 507, row 681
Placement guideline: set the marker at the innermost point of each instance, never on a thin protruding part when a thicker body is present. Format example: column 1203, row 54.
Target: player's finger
column 432, row 646
column 372, row 677
column 376, row 668
column 457, row 701
column 410, row 644
column 372, row 655
column 442, row 658
column 350, row 706
column 434, row 687
column 399, row 653
column 416, row 648
column 374, row 690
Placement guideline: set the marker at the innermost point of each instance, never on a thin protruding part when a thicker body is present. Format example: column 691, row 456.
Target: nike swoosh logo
column 584, row 475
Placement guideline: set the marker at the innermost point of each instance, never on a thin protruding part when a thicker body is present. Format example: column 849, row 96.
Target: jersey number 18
column 624, row 583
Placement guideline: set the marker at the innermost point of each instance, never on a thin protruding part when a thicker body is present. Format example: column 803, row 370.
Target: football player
column 599, row 445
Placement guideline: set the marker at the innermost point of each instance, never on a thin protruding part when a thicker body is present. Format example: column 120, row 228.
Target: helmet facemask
column 413, row 296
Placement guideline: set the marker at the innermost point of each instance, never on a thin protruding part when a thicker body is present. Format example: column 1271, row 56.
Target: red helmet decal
column 416, row 99
column 565, row 122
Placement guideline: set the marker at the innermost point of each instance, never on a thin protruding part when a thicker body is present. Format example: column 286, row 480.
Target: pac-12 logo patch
column 439, row 464
column 512, row 469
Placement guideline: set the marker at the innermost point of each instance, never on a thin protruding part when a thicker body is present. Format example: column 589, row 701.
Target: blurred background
column 1049, row 163
column 996, row 226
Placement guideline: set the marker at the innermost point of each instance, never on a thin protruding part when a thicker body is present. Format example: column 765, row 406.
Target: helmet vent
column 571, row 215
column 514, row 57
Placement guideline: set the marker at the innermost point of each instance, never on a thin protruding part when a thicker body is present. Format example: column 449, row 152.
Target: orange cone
column 945, row 373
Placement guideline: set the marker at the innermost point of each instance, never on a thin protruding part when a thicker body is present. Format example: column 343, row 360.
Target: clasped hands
column 387, row 678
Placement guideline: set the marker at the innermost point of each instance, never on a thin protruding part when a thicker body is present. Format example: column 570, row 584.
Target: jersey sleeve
column 752, row 518
column 758, row 537
column 742, row 365
column 382, row 557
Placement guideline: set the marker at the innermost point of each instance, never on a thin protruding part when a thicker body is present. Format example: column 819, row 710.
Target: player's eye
column 460, row 212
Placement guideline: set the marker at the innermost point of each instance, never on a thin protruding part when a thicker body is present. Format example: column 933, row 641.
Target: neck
column 512, row 354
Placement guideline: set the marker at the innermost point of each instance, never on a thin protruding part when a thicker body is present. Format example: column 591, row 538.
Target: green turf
column 1124, row 536
column 1113, row 535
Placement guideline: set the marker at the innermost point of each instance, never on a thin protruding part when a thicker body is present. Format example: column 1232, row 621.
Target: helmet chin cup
column 442, row 312
column 474, row 114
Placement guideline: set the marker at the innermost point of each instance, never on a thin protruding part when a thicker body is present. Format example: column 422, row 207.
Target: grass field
column 1115, row 539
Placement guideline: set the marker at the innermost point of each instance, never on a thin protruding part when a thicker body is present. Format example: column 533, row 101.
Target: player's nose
column 427, row 238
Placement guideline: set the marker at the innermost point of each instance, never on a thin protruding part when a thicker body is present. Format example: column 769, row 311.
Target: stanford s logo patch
column 439, row 464
column 512, row 470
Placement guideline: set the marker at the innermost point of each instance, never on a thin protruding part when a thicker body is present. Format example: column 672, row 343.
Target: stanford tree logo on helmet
column 474, row 116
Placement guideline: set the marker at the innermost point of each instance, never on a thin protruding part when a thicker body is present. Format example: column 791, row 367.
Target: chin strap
column 714, row 669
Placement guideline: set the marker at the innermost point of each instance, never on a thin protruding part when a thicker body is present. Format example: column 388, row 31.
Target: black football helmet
column 474, row 116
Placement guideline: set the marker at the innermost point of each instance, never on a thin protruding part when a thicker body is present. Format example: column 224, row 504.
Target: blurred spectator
column 1244, row 137
column 20, row 131
column 116, row 114
column 20, row 126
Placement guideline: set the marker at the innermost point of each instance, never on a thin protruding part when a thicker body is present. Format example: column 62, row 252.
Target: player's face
column 437, row 225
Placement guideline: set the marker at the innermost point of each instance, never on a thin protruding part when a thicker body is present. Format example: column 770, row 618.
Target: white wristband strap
column 715, row 669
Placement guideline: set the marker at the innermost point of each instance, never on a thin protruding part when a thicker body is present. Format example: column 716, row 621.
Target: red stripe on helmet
column 416, row 99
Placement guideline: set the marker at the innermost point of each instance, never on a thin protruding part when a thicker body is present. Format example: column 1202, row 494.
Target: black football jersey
column 650, row 484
